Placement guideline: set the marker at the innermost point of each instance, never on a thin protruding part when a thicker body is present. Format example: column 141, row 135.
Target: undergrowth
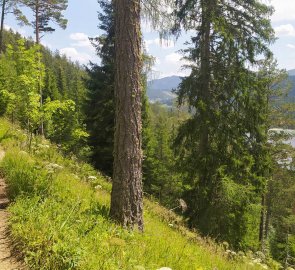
column 59, row 218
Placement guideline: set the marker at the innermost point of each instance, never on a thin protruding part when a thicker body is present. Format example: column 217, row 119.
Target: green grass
column 59, row 218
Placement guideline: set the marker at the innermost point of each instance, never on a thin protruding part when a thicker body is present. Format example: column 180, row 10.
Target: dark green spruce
column 221, row 147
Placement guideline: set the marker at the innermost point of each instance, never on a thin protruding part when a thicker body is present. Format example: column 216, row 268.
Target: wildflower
column 91, row 178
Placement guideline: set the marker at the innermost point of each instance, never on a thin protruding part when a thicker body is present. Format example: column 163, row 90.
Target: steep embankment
column 59, row 219
column 7, row 261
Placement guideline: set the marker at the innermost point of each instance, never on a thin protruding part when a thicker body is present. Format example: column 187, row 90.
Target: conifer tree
column 3, row 13
column 45, row 12
column 99, row 109
column 127, row 197
column 6, row 7
column 218, row 143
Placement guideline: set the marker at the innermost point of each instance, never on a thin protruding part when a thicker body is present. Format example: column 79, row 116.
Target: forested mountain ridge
column 161, row 90
column 291, row 78
column 291, row 72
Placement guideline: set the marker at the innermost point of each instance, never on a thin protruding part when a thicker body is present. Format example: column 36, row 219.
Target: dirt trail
column 7, row 261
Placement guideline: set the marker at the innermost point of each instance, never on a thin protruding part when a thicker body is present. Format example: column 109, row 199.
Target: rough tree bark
column 127, row 198
column 37, row 32
column 207, row 7
column 2, row 24
column 262, row 224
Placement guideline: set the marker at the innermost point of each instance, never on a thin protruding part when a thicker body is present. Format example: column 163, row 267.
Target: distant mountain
column 292, row 90
column 291, row 72
column 161, row 89
column 291, row 79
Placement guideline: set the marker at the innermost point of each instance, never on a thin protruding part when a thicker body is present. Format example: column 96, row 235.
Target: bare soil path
column 7, row 260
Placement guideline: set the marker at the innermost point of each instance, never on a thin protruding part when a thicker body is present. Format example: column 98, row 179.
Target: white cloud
column 81, row 40
column 7, row 27
column 46, row 44
column 74, row 55
column 173, row 58
column 291, row 46
column 166, row 44
column 18, row 29
column 181, row 73
column 146, row 27
column 284, row 10
column 171, row 64
column 285, row 30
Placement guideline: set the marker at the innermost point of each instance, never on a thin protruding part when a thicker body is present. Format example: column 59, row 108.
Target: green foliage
column 62, row 125
column 281, row 194
column 20, row 86
column 23, row 176
column 30, row 93
column 67, row 227
column 222, row 148
column 99, row 107
column 161, row 180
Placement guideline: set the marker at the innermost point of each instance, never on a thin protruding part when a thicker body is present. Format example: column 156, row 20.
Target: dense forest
column 218, row 157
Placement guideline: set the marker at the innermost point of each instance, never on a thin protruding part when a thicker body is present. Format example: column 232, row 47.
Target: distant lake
column 290, row 132
column 292, row 142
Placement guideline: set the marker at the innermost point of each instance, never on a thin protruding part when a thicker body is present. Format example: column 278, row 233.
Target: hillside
column 59, row 218
column 292, row 90
column 160, row 90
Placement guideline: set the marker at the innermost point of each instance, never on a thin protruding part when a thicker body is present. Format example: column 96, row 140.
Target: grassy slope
column 59, row 218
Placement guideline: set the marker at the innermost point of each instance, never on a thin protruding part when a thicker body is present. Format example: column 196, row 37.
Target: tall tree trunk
column 268, row 206
column 267, row 222
column 41, row 127
column 37, row 30
column 127, row 197
column 262, row 224
column 205, row 84
column 2, row 25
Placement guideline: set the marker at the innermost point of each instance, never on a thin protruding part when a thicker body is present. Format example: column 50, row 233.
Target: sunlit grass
column 59, row 218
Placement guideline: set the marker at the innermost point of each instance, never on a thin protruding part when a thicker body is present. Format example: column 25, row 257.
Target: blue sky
column 82, row 23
